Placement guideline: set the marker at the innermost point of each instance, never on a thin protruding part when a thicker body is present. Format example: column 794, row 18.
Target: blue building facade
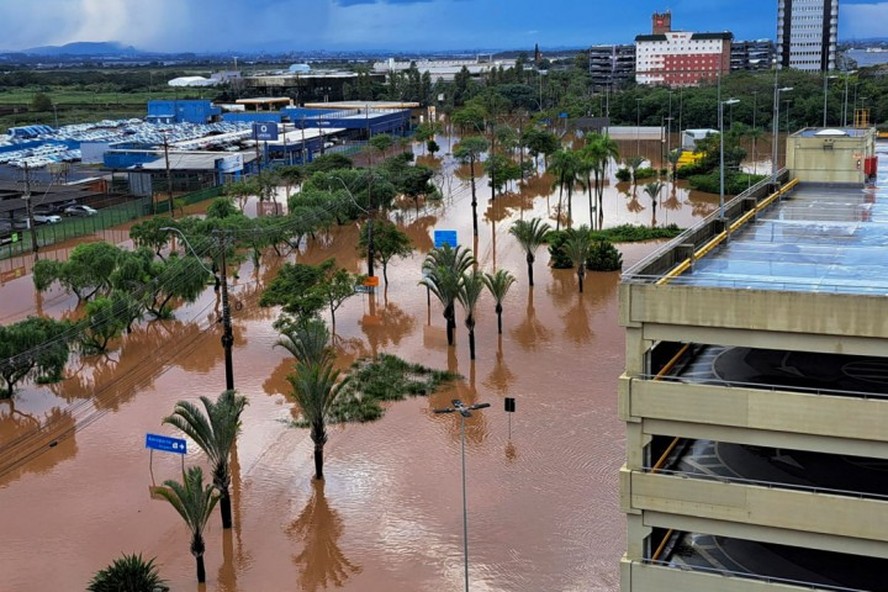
column 182, row 111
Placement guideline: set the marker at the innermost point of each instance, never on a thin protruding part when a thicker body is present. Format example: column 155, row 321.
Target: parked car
column 47, row 218
column 80, row 211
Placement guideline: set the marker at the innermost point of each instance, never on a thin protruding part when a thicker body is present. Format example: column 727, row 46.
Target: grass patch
column 630, row 233
column 384, row 378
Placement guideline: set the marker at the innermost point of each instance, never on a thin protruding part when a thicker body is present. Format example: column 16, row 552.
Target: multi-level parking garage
column 756, row 397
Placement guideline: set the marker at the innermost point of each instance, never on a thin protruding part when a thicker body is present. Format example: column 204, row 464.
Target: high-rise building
column 752, row 55
column 680, row 58
column 807, row 31
column 611, row 66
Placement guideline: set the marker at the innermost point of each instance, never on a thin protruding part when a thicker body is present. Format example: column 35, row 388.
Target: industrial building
column 807, row 33
column 680, row 58
column 755, row 393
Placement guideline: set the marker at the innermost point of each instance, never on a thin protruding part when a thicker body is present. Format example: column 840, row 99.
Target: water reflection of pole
column 464, row 412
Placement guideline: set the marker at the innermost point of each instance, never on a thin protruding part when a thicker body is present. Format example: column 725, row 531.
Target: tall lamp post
column 637, row 125
column 464, row 412
column 776, row 127
column 227, row 334
column 721, row 158
column 826, row 79
column 845, row 103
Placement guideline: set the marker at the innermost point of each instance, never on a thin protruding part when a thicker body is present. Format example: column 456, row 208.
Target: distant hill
column 85, row 48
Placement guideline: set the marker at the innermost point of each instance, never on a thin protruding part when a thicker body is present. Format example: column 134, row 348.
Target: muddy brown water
column 543, row 508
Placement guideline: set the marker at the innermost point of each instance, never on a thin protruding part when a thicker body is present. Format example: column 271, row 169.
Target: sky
column 399, row 25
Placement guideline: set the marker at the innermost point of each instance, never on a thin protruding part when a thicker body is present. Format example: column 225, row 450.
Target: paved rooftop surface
column 819, row 239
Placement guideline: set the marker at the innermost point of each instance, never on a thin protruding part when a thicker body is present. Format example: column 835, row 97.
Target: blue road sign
column 165, row 443
column 563, row 115
column 267, row 132
column 445, row 237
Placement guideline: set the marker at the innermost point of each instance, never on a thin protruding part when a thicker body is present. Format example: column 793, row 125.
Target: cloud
column 860, row 21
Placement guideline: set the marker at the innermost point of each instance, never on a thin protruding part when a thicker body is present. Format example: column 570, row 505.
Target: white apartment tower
column 807, row 31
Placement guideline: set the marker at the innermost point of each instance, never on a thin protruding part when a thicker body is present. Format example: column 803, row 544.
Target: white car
column 47, row 218
column 79, row 210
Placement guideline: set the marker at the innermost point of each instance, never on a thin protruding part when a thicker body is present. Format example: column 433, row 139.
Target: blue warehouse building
column 182, row 111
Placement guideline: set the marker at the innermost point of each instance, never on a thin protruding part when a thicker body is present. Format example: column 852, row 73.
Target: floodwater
column 543, row 506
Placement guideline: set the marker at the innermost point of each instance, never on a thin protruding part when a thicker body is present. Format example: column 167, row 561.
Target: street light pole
column 637, row 125
column 227, row 334
column 776, row 124
column 371, row 252
column 826, row 80
column 464, row 412
column 721, row 166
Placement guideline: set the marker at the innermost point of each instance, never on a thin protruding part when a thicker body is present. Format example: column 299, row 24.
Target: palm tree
column 469, row 151
column 565, row 166
column 129, row 573
column 599, row 150
column 214, row 432
column 530, row 234
column 316, row 388
column 498, row 284
column 673, row 157
column 443, row 270
column 576, row 247
column 470, row 290
column 653, row 191
column 194, row 502
column 308, row 340
column 634, row 163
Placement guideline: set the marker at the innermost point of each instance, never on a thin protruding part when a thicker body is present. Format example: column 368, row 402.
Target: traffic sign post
column 510, row 409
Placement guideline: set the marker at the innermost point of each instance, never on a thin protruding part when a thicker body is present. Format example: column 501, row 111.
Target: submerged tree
column 389, row 242
column 469, row 292
column 129, row 573
column 469, row 151
column 214, row 430
column 576, row 247
column 194, row 502
column 498, row 285
column 530, row 234
column 35, row 347
column 443, row 271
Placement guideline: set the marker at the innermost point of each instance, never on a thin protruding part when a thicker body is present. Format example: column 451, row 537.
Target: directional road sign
column 165, row 443
column 445, row 237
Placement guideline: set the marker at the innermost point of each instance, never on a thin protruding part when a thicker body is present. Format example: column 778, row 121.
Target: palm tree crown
column 443, row 271
column 498, row 285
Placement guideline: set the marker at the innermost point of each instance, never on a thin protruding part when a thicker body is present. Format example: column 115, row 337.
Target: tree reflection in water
column 319, row 528
column 531, row 333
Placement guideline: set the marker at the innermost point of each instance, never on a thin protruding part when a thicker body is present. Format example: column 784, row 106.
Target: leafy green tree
column 214, row 430
column 576, row 247
column 540, row 142
column 443, row 271
column 223, row 207
column 471, row 119
column 433, row 147
column 336, row 286
column 470, row 289
column 530, row 234
column 498, row 285
column 316, row 388
column 426, row 131
column 149, row 233
column 501, row 170
column 304, row 290
column 106, row 319
column 178, row 277
column 129, row 573
column 469, row 151
column 36, row 347
column 194, row 502
column 41, row 102
column 604, row 256
column 381, row 143
column 86, row 273
column 389, row 242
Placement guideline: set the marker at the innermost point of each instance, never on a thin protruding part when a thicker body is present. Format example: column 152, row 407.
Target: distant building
column 752, row 55
column 611, row 66
column 680, row 58
column 807, row 31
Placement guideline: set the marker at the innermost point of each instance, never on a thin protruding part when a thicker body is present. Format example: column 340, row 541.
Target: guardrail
column 768, row 484
column 724, row 234
column 750, row 576
column 763, row 386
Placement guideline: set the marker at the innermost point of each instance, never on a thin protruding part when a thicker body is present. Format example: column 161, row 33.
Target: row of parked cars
column 46, row 214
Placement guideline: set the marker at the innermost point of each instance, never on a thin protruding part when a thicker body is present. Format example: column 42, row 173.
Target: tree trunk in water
column 474, row 201
column 472, row 343
column 530, row 259
column 385, row 276
column 580, row 275
column 319, row 462
column 451, row 324
column 570, row 206
column 499, row 319
column 201, row 570
column 225, row 507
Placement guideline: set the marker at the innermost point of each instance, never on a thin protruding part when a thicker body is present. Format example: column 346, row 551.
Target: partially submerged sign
column 445, row 237
column 165, row 443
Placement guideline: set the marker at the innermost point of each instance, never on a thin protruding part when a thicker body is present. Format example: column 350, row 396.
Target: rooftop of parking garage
column 815, row 238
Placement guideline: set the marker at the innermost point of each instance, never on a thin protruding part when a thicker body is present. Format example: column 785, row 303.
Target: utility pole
column 30, row 207
column 227, row 335
column 169, row 178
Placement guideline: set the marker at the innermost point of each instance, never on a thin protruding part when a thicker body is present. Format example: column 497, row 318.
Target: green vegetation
column 604, row 256
column 36, row 347
column 129, row 573
column 373, row 381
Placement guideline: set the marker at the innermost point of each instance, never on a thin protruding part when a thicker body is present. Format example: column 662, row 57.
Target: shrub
column 628, row 233
column 129, row 573
column 623, row 174
column 734, row 182
column 689, row 170
column 557, row 257
column 604, row 256
column 645, row 173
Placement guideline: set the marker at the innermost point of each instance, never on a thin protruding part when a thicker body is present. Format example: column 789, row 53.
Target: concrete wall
column 640, row 577
column 829, row 159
